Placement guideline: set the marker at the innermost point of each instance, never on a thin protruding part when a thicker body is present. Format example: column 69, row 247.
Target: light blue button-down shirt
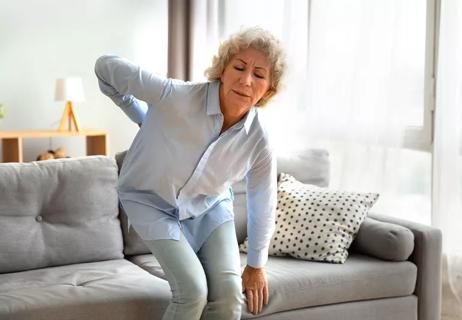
column 179, row 167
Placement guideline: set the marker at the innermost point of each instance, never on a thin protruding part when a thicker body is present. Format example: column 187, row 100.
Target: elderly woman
column 195, row 140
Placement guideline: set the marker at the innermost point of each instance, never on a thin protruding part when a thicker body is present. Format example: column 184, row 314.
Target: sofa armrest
column 427, row 256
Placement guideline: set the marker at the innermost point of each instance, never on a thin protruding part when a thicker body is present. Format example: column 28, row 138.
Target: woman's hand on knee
column 255, row 287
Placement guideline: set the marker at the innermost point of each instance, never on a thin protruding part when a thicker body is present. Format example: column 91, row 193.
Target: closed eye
column 258, row 75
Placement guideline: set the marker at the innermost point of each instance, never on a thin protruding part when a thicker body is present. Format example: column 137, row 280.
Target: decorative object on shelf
column 2, row 111
column 53, row 154
column 69, row 90
column 45, row 156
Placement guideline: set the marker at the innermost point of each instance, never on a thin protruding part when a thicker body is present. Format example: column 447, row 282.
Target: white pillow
column 315, row 223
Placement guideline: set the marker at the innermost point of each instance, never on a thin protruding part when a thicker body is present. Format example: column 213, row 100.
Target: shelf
column 12, row 150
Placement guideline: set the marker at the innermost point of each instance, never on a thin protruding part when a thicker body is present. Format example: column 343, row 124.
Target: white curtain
column 354, row 85
column 363, row 88
column 447, row 152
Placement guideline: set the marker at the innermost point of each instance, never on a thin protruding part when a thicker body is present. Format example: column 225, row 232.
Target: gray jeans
column 206, row 284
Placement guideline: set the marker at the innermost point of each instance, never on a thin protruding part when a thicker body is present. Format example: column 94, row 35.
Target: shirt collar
column 248, row 119
column 213, row 106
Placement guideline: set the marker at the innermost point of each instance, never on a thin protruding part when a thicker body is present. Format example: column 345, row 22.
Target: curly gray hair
column 256, row 38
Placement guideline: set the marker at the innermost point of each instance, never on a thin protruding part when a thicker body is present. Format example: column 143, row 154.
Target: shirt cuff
column 257, row 258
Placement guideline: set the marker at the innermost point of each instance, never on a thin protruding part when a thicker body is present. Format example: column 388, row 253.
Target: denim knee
column 229, row 297
column 193, row 293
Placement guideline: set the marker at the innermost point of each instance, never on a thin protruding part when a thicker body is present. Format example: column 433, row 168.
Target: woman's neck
column 232, row 114
column 231, row 118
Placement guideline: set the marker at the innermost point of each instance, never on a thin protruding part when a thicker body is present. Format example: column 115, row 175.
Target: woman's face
column 245, row 80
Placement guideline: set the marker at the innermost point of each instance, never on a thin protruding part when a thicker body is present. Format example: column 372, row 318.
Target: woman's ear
column 268, row 93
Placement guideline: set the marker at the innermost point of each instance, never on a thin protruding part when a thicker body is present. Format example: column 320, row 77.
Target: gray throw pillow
column 314, row 223
column 384, row 240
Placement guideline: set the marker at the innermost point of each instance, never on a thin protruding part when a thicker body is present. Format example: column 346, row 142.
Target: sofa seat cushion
column 298, row 284
column 295, row 284
column 149, row 263
column 113, row 289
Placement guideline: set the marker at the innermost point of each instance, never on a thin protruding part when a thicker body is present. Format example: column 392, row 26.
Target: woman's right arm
column 128, row 85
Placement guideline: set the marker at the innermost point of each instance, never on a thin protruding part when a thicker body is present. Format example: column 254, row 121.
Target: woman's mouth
column 241, row 94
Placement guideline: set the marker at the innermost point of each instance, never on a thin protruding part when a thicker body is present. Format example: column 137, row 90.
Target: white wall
column 48, row 39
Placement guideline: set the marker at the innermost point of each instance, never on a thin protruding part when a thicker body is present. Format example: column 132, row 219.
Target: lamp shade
column 69, row 89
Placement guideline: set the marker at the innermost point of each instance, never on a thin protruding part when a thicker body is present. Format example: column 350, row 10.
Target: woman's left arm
column 261, row 209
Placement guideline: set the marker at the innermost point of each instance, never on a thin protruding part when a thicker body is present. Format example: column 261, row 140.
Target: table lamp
column 69, row 90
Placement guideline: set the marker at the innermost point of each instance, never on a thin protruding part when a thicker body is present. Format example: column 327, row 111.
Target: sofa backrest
column 309, row 166
column 58, row 212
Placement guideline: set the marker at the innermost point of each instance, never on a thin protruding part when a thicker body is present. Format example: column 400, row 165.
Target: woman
column 195, row 140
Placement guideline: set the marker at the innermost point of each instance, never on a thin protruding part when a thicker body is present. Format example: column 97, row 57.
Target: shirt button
column 38, row 218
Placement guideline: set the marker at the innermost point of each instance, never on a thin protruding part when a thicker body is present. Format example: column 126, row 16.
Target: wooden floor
column 451, row 306
column 445, row 317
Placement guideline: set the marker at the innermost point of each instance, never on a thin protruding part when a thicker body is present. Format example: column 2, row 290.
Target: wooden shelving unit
column 12, row 150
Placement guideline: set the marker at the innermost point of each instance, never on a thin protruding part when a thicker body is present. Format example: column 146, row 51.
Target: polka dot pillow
column 315, row 223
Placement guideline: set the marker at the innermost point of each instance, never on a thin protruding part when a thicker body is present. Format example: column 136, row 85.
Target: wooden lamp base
column 70, row 118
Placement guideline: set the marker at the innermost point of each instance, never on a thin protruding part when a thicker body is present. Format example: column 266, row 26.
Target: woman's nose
column 246, row 78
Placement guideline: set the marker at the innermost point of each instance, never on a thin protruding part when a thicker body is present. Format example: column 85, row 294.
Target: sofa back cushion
column 58, row 212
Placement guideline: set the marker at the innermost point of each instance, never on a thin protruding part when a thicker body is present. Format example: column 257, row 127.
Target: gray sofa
column 65, row 253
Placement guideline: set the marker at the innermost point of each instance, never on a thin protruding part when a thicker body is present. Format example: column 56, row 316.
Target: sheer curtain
column 364, row 88
column 447, row 152
column 354, row 85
